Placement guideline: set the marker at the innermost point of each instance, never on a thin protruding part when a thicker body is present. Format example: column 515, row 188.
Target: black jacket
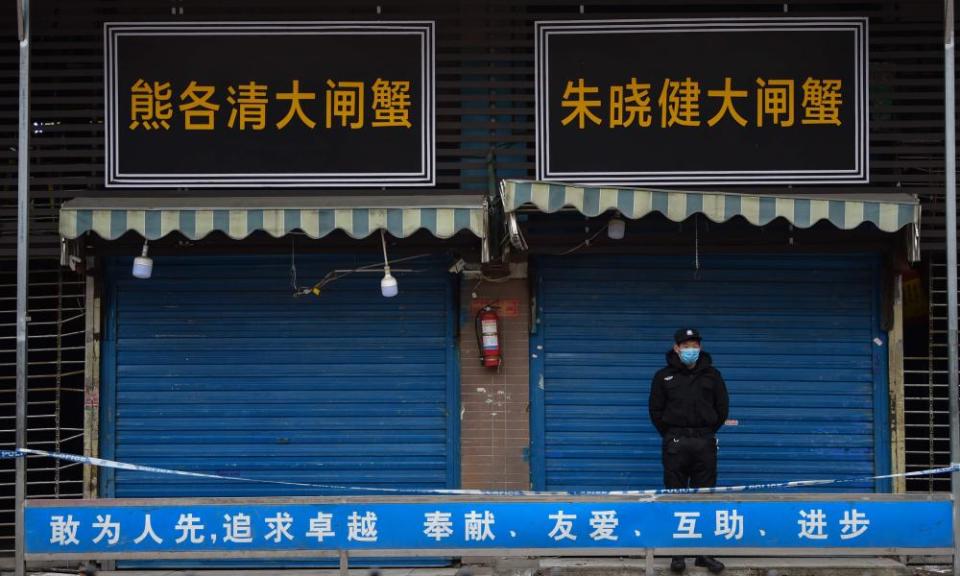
column 683, row 397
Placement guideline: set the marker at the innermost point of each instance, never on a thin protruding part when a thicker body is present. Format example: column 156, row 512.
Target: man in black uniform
column 688, row 405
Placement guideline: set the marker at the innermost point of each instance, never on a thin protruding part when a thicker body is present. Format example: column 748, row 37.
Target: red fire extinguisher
column 488, row 336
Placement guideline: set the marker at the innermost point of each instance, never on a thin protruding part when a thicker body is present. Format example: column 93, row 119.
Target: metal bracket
column 344, row 563
column 21, row 20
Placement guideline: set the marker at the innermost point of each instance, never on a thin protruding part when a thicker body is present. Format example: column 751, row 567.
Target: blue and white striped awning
column 195, row 218
column 888, row 212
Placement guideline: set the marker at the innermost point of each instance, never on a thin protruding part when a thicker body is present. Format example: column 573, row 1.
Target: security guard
column 688, row 405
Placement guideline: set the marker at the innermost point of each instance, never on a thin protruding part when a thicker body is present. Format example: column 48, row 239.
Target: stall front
column 794, row 296
column 282, row 339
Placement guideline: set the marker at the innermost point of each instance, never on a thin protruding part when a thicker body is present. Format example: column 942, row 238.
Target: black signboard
column 313, row 104
column 728, row 101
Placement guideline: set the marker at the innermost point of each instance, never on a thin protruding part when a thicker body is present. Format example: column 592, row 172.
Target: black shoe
column 678, row 565
column 711, row 564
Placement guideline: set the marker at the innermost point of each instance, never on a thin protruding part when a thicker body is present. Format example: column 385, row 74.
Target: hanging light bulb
column 388, row 285
column 616, row 227
column 143, row 264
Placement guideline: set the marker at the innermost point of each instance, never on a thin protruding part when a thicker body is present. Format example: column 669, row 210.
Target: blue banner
column 112, row 527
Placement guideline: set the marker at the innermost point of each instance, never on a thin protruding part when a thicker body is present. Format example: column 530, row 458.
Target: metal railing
column 926, row 403
column 55, row 386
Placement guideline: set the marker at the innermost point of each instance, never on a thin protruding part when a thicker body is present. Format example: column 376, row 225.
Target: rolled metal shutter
column 798, row 341
column 213, row 366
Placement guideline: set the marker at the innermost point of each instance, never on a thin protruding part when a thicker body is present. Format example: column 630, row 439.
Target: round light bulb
column 143, row 265
column 616, row 228
column 388, row 285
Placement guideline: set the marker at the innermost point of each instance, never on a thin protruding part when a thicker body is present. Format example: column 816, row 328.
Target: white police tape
column 103, row 463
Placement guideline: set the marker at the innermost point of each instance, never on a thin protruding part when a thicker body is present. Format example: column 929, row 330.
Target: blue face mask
column 689, row 356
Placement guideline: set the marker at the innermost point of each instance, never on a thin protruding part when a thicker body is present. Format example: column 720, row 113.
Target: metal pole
column 950, row 173
column 23, row 239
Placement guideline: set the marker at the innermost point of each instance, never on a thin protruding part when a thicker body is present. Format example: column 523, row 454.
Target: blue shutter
column 213, row 366
column 793, row 336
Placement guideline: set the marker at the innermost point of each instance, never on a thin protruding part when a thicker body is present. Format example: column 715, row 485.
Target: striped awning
column 888, row 212
column 239, row 217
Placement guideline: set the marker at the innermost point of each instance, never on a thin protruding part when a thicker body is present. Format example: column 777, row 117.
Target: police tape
column 103, row 463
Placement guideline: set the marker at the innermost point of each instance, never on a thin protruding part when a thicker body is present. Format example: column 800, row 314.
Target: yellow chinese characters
column 198, row 111
column 150, row 105
column 728, row 94
column 249, row 103
column 775, row 99
column 681, row 102
column 295, row 96
column 345, row 101
column 575, row 96
column 391, row 103
column 821, row 102
column 632, row 100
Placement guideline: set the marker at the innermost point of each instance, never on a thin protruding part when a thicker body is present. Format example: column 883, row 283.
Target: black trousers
column 689, row 462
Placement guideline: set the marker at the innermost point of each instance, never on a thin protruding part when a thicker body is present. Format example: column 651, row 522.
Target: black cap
column 685, row 334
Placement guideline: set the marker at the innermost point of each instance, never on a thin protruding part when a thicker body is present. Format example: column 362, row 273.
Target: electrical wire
column 383, row 242
column 334, row 275
column 696, row 225
column 293, row 266
column 696, row 247
column 483, row 279
column 585, row 243
column 338, row 274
